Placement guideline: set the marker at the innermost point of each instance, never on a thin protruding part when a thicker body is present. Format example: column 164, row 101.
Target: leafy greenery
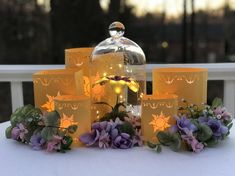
column 171, row 140
column 126, row 127
column 114, row 113
column 8, row 132
column 216, row 103
column 204, row 127
column 204, row 133
column 31, row 123
column 26, row 113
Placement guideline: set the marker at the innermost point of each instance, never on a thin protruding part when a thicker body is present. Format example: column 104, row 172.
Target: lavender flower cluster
column 20, row 132
column 41, row 131
column 110, row 134
column 209, row 128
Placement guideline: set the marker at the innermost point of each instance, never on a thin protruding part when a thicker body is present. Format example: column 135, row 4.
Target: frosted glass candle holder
column 49, row 84
column 80, row 58
column 158, row 113
column 187, row 83
column 74, row 110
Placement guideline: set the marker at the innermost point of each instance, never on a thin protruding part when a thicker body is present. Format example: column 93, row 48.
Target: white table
column 20, row 160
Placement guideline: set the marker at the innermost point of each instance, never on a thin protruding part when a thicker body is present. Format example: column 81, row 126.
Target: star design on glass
column 50, row 105
column 160, row 122
column 66, row 121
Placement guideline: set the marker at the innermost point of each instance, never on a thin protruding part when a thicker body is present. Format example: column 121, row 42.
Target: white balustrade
column 16, row 74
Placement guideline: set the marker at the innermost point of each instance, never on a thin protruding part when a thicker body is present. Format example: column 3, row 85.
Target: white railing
column 16, row 74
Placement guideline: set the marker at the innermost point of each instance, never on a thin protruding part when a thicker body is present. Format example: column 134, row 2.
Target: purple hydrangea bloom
column 183, row 124
column 18, row 132
column 99, row 135
column 106, row 126
column 54, row 144
column 91, row 138
column 216, row 126
column 104, row 140
column 193, row 142
column 222, row 113
column 122, row 141
column 105, row 134
column 37, row 142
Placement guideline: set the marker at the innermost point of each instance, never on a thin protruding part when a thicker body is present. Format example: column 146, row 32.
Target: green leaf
column 171, row 140
column 72, row 129
column 158, row 148
column 117, row 106
column 217, row 102
column 52, row 119
column 176, row 143
column 8, row 132
column 164, row 138
column 212, row 142
column 230, row 126
column 151, row 145
column 68, row 140
column 126, row 127
column 112, row 116
column 24, row 114
column 48, row 133
column 204, row 133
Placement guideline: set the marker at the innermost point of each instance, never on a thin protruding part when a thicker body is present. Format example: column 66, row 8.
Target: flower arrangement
column 118, row 134
column 41, row 131
column 117, row 128
column 196, row 128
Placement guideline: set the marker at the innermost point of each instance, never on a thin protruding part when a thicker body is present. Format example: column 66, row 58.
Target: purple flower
column 91, row 138
column 216, row 126
column 106, row 126
column 104, row 140
column 99, row 135
column 105, row 134
column 222, row 113
column 37, row 142
column 122, row 141
column 54, row 144
column 18, row 132
column 183, row 124
column 193, row 142
column 137, row 139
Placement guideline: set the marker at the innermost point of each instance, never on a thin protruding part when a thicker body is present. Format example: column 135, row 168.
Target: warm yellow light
column 120, row 65
column 66, row 121
column 49, row 105
column 118, row 89
column 165, row 44
column 187, row 83
column 160, row 122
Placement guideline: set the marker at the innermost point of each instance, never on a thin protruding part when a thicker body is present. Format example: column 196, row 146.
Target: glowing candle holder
column 52, row 83
column 74, row 110
column 188, row 83
column 157, row 114
column 80, row 58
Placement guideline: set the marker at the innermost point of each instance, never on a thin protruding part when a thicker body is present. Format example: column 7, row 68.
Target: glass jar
column 118, row 74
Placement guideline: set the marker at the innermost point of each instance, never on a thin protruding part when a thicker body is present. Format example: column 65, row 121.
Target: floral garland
column 118, row 134
column 41, row 131
column 196, row 128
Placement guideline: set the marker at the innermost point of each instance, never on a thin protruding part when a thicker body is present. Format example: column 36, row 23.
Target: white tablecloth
column 20, row 160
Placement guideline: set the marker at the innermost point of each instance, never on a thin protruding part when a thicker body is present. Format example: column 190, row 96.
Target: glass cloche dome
column 117, row 73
